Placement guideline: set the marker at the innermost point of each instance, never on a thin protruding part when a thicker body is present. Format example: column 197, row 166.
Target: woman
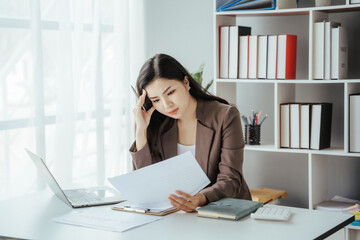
column 182, row 116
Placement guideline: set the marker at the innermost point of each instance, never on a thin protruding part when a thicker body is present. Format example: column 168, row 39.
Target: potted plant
column 198, row 77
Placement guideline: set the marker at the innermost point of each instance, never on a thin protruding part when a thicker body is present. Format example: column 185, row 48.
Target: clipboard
column 145, row 211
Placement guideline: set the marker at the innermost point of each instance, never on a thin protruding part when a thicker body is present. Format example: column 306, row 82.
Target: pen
column 258, row 115
column 263, row 119
column 249, row 119
column 139, row 210
column 143, row 108
column 244, row 119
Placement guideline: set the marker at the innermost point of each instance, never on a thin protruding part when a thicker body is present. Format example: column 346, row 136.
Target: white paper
column 344, row 199
column 150, row 187
column 106, row 219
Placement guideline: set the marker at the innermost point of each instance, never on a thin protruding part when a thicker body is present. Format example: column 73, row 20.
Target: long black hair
column 165, row 66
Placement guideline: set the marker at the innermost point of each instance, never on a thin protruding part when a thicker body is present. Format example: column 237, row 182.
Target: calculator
column 272, row 213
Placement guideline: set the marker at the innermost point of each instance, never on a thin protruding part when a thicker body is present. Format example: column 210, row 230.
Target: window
column 63, row 81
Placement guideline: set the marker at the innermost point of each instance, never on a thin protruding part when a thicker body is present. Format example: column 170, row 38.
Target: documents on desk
column 105, row 219
column 150, row 187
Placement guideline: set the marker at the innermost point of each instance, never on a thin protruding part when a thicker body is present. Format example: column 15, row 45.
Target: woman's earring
column 189, row 88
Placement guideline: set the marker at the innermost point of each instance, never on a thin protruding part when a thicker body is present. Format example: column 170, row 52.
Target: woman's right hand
column 142, row 119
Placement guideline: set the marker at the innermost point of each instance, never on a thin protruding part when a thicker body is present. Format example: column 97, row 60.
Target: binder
column 272, row 57
column 247, row 5
column 224, row 52
column 233, row 51
column 123, row 207
column 328, row 27
column 285, row 125
column 319, row 50
column 262, row 57
column 286, row 57
column 253, row 56
column 354, row 123
column 235, row 33
column 321, row 115
column 339, row 53
column 295, row 127
column 244, row 56
column 305, row 116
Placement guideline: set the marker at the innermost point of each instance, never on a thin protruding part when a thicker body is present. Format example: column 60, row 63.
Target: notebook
column 229, row 208
column 76, row 198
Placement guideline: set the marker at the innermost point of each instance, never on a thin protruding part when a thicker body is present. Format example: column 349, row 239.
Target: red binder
column 286, row 63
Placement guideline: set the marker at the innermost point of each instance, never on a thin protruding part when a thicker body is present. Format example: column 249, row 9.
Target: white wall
column 182, row 29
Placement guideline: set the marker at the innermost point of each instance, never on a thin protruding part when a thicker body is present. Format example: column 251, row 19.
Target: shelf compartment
column 350, row 88
column 247, row 96
column 333, row 93
column 331, row 176
column 272, row 25
column 346, row 18
column 284, row 172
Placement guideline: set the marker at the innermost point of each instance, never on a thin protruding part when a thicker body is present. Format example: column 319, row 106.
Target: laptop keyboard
column 82, row 197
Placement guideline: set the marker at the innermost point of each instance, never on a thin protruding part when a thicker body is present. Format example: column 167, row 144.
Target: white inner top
column 184, row 148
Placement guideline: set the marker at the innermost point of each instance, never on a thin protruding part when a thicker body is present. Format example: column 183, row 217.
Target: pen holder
column 252, row 134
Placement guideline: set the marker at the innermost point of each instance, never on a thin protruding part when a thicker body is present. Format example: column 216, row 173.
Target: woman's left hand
column 186, row 202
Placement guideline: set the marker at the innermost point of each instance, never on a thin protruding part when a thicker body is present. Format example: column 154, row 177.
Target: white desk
column 30, row 217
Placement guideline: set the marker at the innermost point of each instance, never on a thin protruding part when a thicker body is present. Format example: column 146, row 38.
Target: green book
column 229, row 208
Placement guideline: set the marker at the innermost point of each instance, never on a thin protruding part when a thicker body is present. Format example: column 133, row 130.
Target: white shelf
column 353, row 227
column 292, row 11
column 223, row 80
column 309, row 176
column 269, row 147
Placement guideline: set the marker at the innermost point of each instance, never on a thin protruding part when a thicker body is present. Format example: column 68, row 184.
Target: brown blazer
column 219, row 150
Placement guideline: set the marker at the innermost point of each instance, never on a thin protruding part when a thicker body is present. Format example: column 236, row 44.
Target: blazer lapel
column 169, row 142
column 204, row 138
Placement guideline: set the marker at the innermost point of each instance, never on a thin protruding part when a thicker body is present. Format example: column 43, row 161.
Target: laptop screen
column 43, row 169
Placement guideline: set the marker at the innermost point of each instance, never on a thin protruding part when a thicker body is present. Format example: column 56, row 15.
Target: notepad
column 229, row 208
column 131, row 207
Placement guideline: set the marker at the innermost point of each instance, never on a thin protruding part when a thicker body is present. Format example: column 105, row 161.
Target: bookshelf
column 309, row 176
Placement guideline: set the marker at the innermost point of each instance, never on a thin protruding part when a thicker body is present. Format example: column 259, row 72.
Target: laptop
column 77, row 198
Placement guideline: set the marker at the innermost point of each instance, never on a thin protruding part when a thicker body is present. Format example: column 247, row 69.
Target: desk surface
column 30, row 217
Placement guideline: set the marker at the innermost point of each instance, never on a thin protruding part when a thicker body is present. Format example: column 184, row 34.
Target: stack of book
column 330, row 51
column 342, row 204
column 305, row 125
column 247, row 56
column 339, row 204
column 232, row 5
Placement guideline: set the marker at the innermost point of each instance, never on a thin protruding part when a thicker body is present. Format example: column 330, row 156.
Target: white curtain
column 72, row 73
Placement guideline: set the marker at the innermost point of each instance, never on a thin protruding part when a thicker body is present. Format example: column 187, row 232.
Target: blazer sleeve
column 230, row 181
column 141, row 158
